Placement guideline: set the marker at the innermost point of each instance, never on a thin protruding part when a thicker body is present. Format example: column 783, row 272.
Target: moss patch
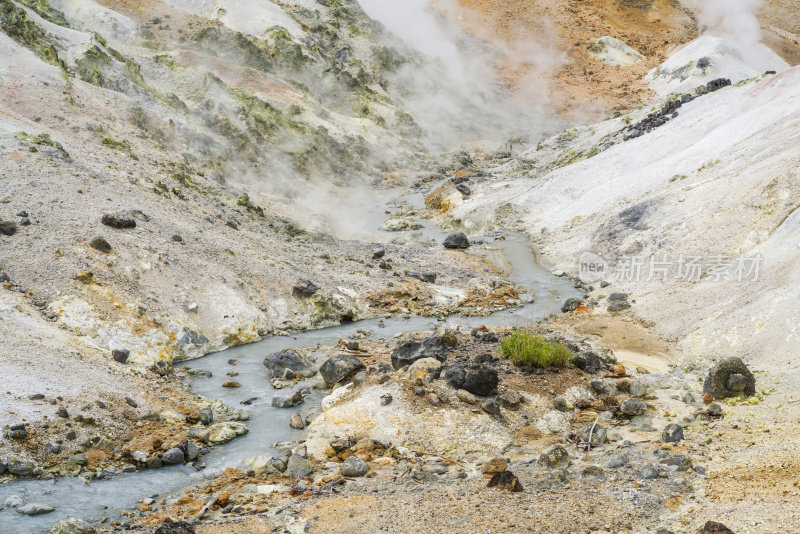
column 14, row 21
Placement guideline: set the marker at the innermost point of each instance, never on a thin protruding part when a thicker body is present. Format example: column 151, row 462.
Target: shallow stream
column 268, row 425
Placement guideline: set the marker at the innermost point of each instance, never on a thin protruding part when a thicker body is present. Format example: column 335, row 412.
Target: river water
column 268, row 425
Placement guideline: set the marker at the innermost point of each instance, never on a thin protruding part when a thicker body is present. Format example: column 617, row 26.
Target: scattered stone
column 13, row 501
column 339, row 367
column 132, row 403
column 490, row 406
column 206, row 416
column 378, row 252
column 712, row 527
column 598, row 436
column 505, row 480
column 120, row 355
column 560, row 404
column 728, row 378
column 466, row 397
column 178, row 527
column 433, row 398
column 425, row 370
column 79, row 459
column 509, row 399
column 617, row 460
column 219, row 433
column 633, row 407
column 231, row 384
column 637, row 389
column 601, row 387
column 554, row 456
column 35, row 508
column 296, row 421
column 456, row 240
column 287, row 401
column 8, row 228
column 278, row 363
column 119, row 220
column 649, row 471
column 100, row 244
column 571, row 304
column 72, row 525
column 298, row 467
column 304, row 289
column 495, row 465
column 173, row 456
column 408, row 353
column 386, row 399
column 672, row 433
column 85, row 277
column 354, row 467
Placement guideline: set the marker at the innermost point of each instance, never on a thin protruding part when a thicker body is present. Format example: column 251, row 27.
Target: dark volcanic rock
column 278, row 362
column 178, row 527
column 119, row 220
column 457, row 240
column 339, row 367
column 408, row 353
column 728, row 378
column 120, row 355
column 505, row 480
column 100, row 244
column 288, row 400
column 304, row 289
column 571, row 304
column 672, row 433
column 477, row 379
column 8, row 227
column 712, row 527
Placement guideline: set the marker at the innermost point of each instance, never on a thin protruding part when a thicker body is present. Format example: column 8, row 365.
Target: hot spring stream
column 268, row 425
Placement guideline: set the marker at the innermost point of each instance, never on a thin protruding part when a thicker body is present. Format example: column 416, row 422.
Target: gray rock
column 408, row 353
column 79, row 459
column 192, row 451
column 378, row 252
column 8, row 228
column 3, row 467
column 354, row 467
column 13, row 501
column 598, row 436
column 339, row 367
column 672, row 433
column 178, row 527
column 298, row 467
column 638, row 389
column 649, row 471
column 100, row 244
column 490, row 406
column 287, row 401
column 304, row 289
column 35, row 508
column 601, row 387
column 633, row 407
column 618, row 297
column 617, row 460
column 386, row 399
column 173, row 456
column 206, row 416
column 560, row 404
column 571, row 304
column 359, row 378
column 20, row 467
column 72, row 525
column 509, row 399
column 728, row 378
column 456, row 240
column 278, row 362
column 119, row 220
column 297, row 421
column 120, row 355
column 554, row 456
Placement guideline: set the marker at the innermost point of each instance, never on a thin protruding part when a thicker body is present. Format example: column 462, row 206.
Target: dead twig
column 206, row 508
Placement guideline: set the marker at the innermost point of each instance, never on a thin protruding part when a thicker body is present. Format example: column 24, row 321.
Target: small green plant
column 523, row 347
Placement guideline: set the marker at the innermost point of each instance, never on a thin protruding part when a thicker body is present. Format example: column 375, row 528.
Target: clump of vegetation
column 14, row 21
column 42, row 139
column 46, row 11
column 524, row 347
column 110, row 142
column 89, row 67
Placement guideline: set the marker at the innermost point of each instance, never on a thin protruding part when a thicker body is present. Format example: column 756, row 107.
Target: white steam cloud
column 735, row 20
column 459, row 96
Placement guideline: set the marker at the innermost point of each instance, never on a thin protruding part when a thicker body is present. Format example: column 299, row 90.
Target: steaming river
column 268, row 425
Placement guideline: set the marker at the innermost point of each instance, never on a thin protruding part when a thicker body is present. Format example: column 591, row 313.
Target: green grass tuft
column 524, row 347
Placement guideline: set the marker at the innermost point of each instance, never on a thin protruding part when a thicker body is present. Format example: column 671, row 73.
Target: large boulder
column 477, row 379
column 298, row 466
column 457, row 240
column 278, row 362
column 354, row 467
column 219, row 433
column 408, row 353
column 72, row 525
column 289, row 400
column 728, row 378
column 339, row 367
